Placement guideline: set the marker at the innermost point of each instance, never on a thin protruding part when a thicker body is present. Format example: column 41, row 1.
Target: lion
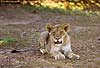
column 56, row 41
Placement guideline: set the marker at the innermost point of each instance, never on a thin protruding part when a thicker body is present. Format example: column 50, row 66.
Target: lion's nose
column 57, row 38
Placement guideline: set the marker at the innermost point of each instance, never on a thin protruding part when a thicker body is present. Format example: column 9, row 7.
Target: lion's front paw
column 43, row 51
column 59, row 56
column 77, row 56
column 70, row 56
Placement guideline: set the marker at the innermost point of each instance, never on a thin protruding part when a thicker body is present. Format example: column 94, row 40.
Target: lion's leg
column 57, row 54
column 42, row 46
column 43, row 42
column 70, row 54
column 77, row 56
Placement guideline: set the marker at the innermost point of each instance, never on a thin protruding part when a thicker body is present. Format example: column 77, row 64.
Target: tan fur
column 56, row 42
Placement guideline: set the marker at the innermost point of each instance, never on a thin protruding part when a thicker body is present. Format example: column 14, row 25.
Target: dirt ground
column 17, row 22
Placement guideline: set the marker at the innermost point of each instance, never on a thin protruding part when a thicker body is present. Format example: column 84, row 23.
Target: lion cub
column 56, row 42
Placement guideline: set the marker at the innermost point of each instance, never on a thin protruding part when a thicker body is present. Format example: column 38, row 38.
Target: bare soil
column 24, row 26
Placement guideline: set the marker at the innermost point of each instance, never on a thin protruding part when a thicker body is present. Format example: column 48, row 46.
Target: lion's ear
column 48, row 27
column 66, row 27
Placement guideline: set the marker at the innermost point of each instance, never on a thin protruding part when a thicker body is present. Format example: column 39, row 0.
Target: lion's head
column 58, row 32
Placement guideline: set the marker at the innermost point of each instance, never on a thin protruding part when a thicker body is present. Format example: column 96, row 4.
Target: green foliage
column 7, row 40
column 66, row 4
column 60, row 10
column 44, row 8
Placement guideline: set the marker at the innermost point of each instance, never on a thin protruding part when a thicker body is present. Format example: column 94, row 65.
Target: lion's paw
column 43, row 51
column 77, row 56
column 59, row 56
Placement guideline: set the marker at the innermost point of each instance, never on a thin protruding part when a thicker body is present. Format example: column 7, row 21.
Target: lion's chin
column 58, row 45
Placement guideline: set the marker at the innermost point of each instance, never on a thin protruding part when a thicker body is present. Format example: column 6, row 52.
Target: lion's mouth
column 58, row 42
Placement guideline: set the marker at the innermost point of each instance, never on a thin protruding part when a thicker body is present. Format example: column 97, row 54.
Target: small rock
column 23, row 34
column 92, row 46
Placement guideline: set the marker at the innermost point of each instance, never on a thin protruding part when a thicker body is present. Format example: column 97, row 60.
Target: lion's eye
column 61, row 32
column 53, row 33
